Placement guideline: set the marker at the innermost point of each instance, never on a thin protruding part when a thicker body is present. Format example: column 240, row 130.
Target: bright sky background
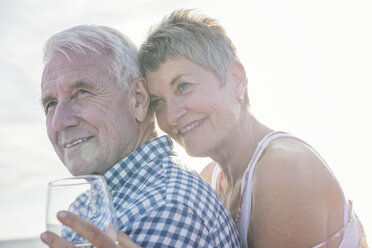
column 309, row 65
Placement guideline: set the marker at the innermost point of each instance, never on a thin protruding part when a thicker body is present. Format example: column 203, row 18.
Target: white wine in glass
column 86, row 196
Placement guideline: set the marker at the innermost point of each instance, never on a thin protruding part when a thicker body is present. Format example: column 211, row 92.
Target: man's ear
column 140, row 98
column 239, row 79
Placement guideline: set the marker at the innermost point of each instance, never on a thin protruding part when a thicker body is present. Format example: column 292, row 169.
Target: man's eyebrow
column 46, row 99
column 81, row 83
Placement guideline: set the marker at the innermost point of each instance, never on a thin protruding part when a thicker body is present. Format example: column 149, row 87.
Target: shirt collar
column 125, row 168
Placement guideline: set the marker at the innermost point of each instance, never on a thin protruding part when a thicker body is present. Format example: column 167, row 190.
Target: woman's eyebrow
column 174, row 80
column 152, row 97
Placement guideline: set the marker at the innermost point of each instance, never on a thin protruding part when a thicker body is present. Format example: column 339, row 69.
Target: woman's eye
column 183, row 86
column 154, row 103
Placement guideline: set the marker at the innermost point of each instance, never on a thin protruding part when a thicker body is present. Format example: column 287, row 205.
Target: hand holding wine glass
column 85, row 196
column 88, row 230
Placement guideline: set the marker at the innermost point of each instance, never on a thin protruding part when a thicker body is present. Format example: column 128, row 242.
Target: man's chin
column 78, row 169
column 78, row 173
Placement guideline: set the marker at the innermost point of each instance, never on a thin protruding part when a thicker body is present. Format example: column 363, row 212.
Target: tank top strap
column 215, row 173
column 342, row 230
column 243, row 217
column 258, row 152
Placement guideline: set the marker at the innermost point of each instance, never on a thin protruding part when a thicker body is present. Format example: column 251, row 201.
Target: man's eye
column 81, row 92
column 50, row 105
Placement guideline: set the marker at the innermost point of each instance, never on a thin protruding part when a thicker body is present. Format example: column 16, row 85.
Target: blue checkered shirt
column 159, row 204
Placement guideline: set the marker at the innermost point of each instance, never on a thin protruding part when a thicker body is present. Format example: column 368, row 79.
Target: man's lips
column 76, row 142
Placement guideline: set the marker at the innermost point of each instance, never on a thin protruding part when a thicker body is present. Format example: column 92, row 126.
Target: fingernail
column 62, row 214
column 44, row 236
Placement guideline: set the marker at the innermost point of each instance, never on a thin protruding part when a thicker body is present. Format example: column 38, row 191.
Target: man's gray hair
column 185, row 33
column 102, row 40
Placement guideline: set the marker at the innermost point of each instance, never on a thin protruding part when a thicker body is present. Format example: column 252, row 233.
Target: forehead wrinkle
column 63, row 70
column 59, row 62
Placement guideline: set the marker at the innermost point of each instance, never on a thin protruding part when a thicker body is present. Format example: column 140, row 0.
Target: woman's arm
column 296, row 201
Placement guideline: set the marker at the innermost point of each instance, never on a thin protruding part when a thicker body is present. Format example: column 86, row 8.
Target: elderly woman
column 279, row 190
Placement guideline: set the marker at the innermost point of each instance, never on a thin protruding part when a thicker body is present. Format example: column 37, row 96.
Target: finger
column 86, row 229
column 54, row 241
column 126, row 242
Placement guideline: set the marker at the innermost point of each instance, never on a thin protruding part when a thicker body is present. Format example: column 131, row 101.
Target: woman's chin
column 194, row 147
column 195, row 151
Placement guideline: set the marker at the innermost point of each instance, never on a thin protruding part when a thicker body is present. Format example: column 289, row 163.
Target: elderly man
column 96, row 105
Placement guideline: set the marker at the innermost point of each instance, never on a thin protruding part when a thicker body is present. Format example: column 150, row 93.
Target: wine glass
column 86, row 196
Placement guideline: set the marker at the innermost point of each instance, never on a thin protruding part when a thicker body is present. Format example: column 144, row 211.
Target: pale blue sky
column 309, row 65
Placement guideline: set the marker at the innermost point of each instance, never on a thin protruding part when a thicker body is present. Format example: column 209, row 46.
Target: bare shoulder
column 288, row 167
column 294, row 195
column 207, row 172
column 292, row 161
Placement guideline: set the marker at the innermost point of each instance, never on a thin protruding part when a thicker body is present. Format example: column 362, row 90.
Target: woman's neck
column 235, row 154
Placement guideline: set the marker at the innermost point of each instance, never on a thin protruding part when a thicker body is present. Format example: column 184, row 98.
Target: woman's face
column 193, row 107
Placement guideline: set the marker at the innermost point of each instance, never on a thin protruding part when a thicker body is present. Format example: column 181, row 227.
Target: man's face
column 89, row 118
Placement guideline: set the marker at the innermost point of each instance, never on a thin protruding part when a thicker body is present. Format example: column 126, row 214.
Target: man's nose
column 64, row 116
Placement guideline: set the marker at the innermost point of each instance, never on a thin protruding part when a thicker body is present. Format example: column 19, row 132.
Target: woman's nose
column 175, row 110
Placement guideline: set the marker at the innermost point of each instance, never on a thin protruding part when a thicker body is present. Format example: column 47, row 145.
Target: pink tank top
column 351, row 229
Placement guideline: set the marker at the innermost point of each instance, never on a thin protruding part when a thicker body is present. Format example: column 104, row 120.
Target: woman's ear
column 239, row 79
column 141, row 98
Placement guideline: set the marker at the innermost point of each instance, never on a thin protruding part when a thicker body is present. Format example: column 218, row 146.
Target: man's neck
column 147, row 132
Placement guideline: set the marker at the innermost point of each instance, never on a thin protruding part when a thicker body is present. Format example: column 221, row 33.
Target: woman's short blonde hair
column 186, row 33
